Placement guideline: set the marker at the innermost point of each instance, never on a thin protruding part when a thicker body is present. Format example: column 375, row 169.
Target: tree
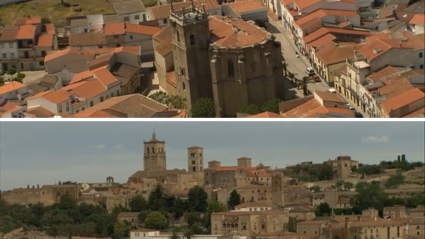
column 67, row 202
column 120, row 230
column 250, row 109
column 1, row 81
column 271, row 106
column 292, row 76
column 339, row 184
column 174, row 235
column 142, row 215
column 395, row 180
column 369, row 195
column 323, row 210
column 45, row 20
column 156, row 220
column 213, row 206
column 203, row 108
column 156, row 199
column 160, row 97
column 348, row 185
column 326, row 172
column 138, row 204
column 176, row 102
column 11, row 71
column 292, row 224
column 303, row 83
column 285, row 68
column 193, row 218
column 198, row 199
column 235, row 199
column 188, row 234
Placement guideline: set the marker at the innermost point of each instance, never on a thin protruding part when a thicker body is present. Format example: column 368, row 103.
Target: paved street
column 296, row 65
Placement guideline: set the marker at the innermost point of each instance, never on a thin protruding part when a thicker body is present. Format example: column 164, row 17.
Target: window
column 118, row 92
column 136, row 17
column 421, row 66
column 118, row 45
column 183, row 86
column 116, row 36
column 4, row 55
column 131, row 37
column 11, row 45
column 153, row 150
column 192, row 154
column 67, row 106
column 101, row 99
column 144, row 17
column 43, row 53
column 83, row 109
column 77, row 111
column 22, row 66
column 112, row 94
column 165, row 20
column 230, row 68
column 178, row 37
column 91, row 103
column 193, row 161
column 60, row 109
column 148, row 150
column 421, row 54
column 192, row 39
column 193, row 169
column 126, row 19
column 41, row 63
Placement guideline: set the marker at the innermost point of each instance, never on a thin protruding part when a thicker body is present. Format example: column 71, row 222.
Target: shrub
column 11, row 71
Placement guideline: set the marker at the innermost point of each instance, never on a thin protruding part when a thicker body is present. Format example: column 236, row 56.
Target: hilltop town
column 212, row 58
column 338, row 198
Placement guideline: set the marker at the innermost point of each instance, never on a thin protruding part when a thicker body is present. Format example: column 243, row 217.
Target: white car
column 309, row 71
column 332, row 90
column 350, row 107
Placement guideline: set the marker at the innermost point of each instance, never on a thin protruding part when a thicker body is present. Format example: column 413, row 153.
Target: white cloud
column 376, row 139
column 100, row 146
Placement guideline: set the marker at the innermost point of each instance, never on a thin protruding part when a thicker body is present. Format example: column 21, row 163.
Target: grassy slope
column 53, row 10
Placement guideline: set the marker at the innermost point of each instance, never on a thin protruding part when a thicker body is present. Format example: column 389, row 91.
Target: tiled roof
column 233, row 168
column 377, row 47
column 228, row 32
column 171, row 78
column 50, row 28
column 403, row 99
column 420, row 113
column 26, row 32
column 247, row 6
column 164, row 37
column 328, row 96
column 27, row 21
column 104, row 76
column 383, row 73
column 253, row 204
column 117, row 28
column 87, row 89
column 123, row 72
column 87, row 39
column 45, row 40
column 301, row 4
column 319, row 14
column 266, row 114
column 135, row 106
column 322, row 41
column 336, row 53
column 12, row 86
column 418, row 19
column 141, row 29
column 8, row 34
column 40, row 112
column 100, row 61
column 126, row 7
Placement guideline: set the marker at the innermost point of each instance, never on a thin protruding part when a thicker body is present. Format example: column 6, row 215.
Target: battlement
column 187, row 16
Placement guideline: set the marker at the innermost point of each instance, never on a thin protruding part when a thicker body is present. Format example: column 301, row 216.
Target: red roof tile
column 403, row 99
column 266, row 114
column 12, row 86
column 26, row 32
column 418, row 19
column 141, row 29
column 116, row 28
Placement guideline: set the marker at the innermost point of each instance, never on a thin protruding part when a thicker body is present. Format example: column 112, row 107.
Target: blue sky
column 47, row 152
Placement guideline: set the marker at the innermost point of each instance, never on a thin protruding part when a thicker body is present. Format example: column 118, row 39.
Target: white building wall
column 134, row 18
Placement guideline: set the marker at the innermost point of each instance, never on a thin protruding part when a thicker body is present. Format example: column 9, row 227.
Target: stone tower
column 195, row 163
column 278, row 187
column 343, row 166
column 154, row 155
column 190, row 40
column 244, row 162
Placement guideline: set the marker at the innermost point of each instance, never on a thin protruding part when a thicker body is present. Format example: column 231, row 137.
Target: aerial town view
column 212, row 180
column 212, row 59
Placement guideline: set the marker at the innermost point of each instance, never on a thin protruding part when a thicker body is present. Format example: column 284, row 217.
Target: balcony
column 25, row 44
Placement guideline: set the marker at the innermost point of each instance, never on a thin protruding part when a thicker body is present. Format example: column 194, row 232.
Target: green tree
column 156, row 220
column 67, row 202
column 1, row 81
column 203, row 108
column 292, row 224
column 348, row 185
column 326, row 172
column 188, row 234
column 303, row 83
column 339, row 184
column 293, row 77
column 120, row 230
column 369, row 195
column 235, row 199
column 213, row 206
column 176, row 102
column 198, row 199
column 45, row 20
column 160, row 97
column 138, row 204
column 11, row 71
column 323, row 210
column 395, row 180
column 142, row 215
column 271, row 106
column 156, row 199
column 194, row 218
column 174, row 235
column 250, row 109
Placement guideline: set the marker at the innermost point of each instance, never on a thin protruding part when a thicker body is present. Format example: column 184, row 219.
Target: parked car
column 358, row 115
column 310, row 71
column 350, row 107
column 332, row 90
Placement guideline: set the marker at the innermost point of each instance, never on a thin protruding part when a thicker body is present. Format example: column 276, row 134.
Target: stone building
column 343, row 165
column 249, row 223
column 154, row 155
column 229, row 60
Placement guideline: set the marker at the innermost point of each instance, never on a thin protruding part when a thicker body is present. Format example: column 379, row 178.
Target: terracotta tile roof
column 164, row 37
column 81, row 76
column 45, row 40
column 60, row 53
column 418, row 19
column 266, row 114
column 301, row 4
column 11, row 110
column 141, row 29
column 321, row 13
column 5, row 107
column 87, row 39
column 322, row 41
column 8, row 34
column 417, row 42
column 50, row 28
column 57, row 97
column 334, row 53
column 26, row 32
column 325, row 30
column 104, row 76
column 247, row 6
column 163, row 11
column 129, row 49
column 313, row 109
column 101, row 61
column 315, row 35
column 40, row 112
column 383, row 73
column 328, row 96
column 386, row 12
column 233, row 168
column 377, row 47
column 181, row 114
column 395, row 86
column 27, row 21
column 91, row 52
column 298, row 111
column 135, row 106
column 12, row 86
column 310, row 23
column 403, row 99
column 254, row 204
column 228, row 32
column 123, row 72
column 85, row 89
column 116, row 28
column 126, row 7
column 106, row 114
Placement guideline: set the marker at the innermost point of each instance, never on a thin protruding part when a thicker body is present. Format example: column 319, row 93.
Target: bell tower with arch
column 154, row 154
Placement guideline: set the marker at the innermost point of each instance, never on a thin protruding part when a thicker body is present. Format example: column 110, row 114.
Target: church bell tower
column 154, row 155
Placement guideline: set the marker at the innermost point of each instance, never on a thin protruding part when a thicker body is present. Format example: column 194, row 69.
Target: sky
column 45, row 153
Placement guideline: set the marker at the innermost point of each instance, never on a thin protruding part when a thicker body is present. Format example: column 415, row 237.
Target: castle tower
column 190, row 42
column 343, row 166
column 154, row 154
column 278, row 186
column 244, row 162
column 195, row 163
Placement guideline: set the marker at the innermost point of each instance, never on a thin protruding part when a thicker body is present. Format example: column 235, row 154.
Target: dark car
column 358, row 115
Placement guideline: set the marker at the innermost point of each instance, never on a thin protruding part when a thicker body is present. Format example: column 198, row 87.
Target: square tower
column 343, row 166
column 244, row 162
column 154, row 155
column 195, row 163
column 190, row 40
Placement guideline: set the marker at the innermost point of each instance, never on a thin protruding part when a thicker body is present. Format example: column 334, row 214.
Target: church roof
column 195, row 147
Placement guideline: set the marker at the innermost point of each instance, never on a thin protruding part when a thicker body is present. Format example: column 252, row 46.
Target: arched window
column 192, row 39
column 230, row 68
column 148, row 150
column 153, row 150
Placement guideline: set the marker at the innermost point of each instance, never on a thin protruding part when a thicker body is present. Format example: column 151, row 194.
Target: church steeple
column 153, row 135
